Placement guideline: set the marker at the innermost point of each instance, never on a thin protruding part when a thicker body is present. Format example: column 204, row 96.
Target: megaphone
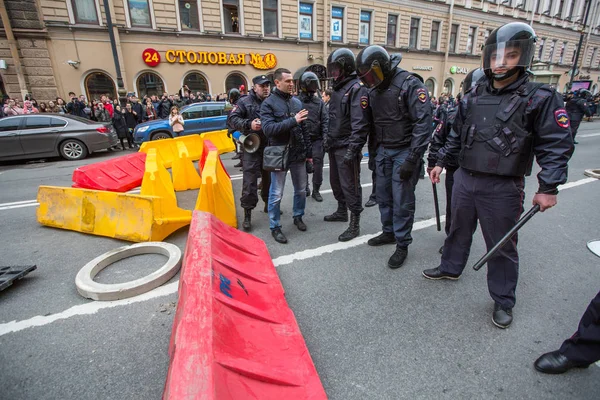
column 250, row 142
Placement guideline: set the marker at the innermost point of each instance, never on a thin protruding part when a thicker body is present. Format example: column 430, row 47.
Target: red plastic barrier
column 206, row 147
column 234, row 336
column 118, row 174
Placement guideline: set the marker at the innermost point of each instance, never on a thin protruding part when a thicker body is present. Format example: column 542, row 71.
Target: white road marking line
column 20, row 206
column 588, row 135
column 18, row 202
column 94, row 306
column 580, row 182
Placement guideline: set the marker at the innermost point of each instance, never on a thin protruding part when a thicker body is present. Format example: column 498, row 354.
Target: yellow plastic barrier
column 185, row 175
column 219, row 139
column 157, row 180
column 194, row 145
column 165, row 148
column 216, row 192
column 129, row 217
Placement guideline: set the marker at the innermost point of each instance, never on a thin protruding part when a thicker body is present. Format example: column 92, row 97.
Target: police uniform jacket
column 577, row 108
column 317, row 121
column 349, row 118
column 246, row 110
column 498, row 131
column 277, row 114
column 440, row 135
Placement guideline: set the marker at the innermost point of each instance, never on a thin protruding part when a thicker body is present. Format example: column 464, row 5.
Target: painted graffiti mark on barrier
column 225, row 286
column 243, row 287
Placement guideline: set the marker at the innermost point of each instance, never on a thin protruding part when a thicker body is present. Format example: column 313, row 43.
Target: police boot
column 353, row 229
column 247, row 224
column 308, row 192
column 341, row 215
column 315, row 194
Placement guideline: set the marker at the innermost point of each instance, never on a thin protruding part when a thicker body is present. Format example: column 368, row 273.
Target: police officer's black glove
column 407, row 169
column 349, row 157
column 229, row 135
column 310, row 168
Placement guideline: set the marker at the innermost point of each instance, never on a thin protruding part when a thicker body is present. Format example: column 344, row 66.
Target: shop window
column 435, row 35
column 453, row 37
column 430, row 85
column 471, row 39
column 365, row 27
column 305, row 20
column 270, row 17
column 231, row 16
column 149, row 84
column 392, row 29
column 234, row 81
column 139, row 13
column 196, row 82
column 98, row 84
column 448, row 86
column 188, row 14
column 414, row 33
column 337, row 24
column 85, row 11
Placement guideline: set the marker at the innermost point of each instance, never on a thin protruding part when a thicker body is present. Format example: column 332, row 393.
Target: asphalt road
column 373, row 333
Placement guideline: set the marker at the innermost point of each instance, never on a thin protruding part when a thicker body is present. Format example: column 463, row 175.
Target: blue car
column 199, row 118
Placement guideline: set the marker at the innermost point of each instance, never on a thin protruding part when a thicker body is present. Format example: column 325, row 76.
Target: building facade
column 214, row 45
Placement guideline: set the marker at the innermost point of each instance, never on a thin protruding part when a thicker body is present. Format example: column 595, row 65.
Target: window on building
column 413, row 38
column 306, row 21
column 561, row 58
column 594, row 53
column 364, row 34
column 453, row 37
column 435, row 35
column 196, row 82
column 139, row 13
column 188, row 14
column 541, row 49
column 231, row 20
column 98, row 84
column 430, row 85
column 561, row 5
column 85, row 11
column 471, row 39
column 571, row 10
column 234, row 81
column 392, row 29
column 270, row 18
column 573, row 56
column 552, row 47
column 486, row 35
column 337, row 24
column 448, row 86
column 149, row 84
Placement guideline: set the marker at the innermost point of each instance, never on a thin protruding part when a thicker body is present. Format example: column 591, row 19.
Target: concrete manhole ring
column 100, row 291
column 593, row 173
column 594, row 246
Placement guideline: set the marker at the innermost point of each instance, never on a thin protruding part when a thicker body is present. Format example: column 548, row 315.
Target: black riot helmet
column 511, row 46
column 309, row 82
column 233, row 96
column 373, row 65
column 472, row 78
column 340, row 64
column 584, row 94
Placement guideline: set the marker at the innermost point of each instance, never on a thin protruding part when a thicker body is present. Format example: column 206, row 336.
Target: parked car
column 51, row 135
column 199, row 118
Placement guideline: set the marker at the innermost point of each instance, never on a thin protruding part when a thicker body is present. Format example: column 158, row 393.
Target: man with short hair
column 76, row 107
column 108, row 106
column 280, row 116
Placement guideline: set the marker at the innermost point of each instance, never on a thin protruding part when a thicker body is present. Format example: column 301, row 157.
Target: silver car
column 51, row 135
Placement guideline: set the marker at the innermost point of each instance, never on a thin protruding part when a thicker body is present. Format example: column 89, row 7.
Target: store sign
column 422, row 68
column 458, row 70
column 258, row 61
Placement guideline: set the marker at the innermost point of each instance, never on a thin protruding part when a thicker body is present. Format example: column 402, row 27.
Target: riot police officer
column 402, row 127
column 440, row 135
column 233, row 97
column 577, row 107
column 348, row 130
column 501, row 123
column 316, row 125
column 245, row 117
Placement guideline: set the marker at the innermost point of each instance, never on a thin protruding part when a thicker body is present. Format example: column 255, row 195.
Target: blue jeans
column 299, row 179
column 396, row 198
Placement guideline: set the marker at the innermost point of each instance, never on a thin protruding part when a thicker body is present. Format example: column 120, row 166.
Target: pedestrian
column 402, row 126
column 61, row 105
column 120, row 124
column 11, row 108
column 149, row 113
column 101, row 113
column 280, row 116
column 176, row 121
column 499, row 125
column 43, row 108
column 52, row 107
column 28, row 108
column 137, row 109
column 349, row 127
column 164, row 106
column 316, row 125
column 75, row 106
column 580, row 350
column 245, row 118
column 577, row 107
column 108, row 105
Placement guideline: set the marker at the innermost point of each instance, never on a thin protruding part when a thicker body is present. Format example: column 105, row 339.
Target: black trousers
column 449, row 183
column 252, row 170
column 345, row 180
column 497, row 203
column 584, row 346
column 317, row 156
column 575, row 127
column 373, row 195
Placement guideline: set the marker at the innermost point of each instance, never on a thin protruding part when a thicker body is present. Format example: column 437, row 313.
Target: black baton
column 507, row 237
column 437, row 207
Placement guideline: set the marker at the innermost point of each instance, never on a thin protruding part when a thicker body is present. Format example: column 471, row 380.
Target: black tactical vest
column 391, row 119
column 339, row 111
column 495, row 136
column 312, row 124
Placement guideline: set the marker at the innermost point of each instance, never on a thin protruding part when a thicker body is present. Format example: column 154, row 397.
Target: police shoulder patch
column 364, row 102
column 562, row 118
column 439, row 127
column 422, row 95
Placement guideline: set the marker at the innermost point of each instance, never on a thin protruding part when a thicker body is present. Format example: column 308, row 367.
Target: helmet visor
column 373, row 77
column 334, row 71
column 312, row 85
column 503, row 56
